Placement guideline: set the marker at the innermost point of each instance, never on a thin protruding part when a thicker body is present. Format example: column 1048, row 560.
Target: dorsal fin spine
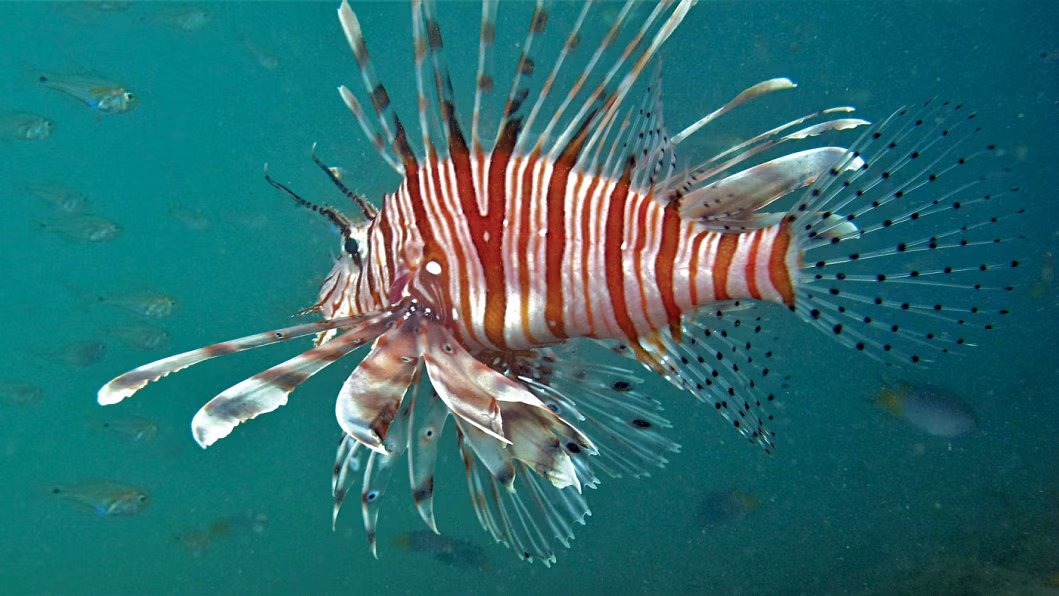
column 484, row 82
column 568, row 47
column 380, row 99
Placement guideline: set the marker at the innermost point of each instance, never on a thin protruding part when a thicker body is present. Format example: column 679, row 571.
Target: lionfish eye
column 352, row 247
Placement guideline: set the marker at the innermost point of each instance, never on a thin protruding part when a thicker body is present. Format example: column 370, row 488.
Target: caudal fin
column 905, row 239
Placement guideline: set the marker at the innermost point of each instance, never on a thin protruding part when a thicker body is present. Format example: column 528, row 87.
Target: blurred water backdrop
column 854, row 500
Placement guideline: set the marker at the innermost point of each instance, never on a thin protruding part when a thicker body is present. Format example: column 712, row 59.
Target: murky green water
column 853, row 500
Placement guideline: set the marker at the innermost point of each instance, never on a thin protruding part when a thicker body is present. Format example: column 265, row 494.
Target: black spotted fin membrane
column 928, row 267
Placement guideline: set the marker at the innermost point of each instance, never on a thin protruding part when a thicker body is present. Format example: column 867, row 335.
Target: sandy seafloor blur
column 853, row 502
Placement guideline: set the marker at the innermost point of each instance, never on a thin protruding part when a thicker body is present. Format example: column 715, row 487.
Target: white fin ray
column 613, row 101
column 711, row 169
column 555, row 147
column 749, row 190
column 703, row 172
column 624, row 425
column 748, row 94
column 572, row 41
column 519, row 510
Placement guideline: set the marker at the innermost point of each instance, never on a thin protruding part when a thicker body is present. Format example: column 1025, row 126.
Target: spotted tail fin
column 903, row 241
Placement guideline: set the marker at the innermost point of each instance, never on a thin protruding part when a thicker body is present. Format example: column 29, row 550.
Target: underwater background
column 854, row 500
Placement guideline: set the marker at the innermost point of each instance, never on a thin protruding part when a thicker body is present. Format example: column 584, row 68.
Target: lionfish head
column 339, row 295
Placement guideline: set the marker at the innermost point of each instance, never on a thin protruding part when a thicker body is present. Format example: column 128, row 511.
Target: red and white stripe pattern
column 556, row 254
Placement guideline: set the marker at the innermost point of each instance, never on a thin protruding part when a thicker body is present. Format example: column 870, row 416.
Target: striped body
column 558, row 254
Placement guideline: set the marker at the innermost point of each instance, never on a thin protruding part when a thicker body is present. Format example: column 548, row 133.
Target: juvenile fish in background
column 140, row 336
column 24, row 126
column 191, row 217
column 718, row 508
column 263, row 57
column 184, row 18
column 105, row 498
column 60, row 197
column 20, row 394
column 452, row 551
column 81, row 227
column 134, row 429
column 79, row 353
column 147, row 303
column 197, row 540
column 1044, row 285
column 94, row 91
column 932, row 410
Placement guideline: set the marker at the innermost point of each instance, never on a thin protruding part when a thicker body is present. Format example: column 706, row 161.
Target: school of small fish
column 62, row 209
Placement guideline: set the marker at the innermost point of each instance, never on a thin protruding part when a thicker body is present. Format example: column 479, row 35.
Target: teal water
column 853, row 500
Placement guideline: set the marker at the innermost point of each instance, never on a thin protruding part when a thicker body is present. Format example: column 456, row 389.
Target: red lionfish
column 575, row 221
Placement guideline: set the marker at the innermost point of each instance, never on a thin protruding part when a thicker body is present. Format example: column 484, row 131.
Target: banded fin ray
column 371, row 396
column 470, row 388
column 268, row 390
column 129, row 383
column 392, row 128
column 347, row 463
column 379, row 470
column 484, row 83
column 427, row 424
column 513, row 118
column 613, row 100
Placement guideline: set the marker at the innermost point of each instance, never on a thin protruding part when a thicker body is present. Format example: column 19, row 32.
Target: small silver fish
column 20, row 394
column 140, row 336
column 109, row 6
column 80, row 353
column 95, row 92
column 185, row 18
column 452, row 551
column 264, row 58
column 134, row 429
column 152, row 305
column 60, row 197
column 82, row 227
column 932, row 410
column 24, row 126
column 190, row 217
column 105, row 498
column 197, row 540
